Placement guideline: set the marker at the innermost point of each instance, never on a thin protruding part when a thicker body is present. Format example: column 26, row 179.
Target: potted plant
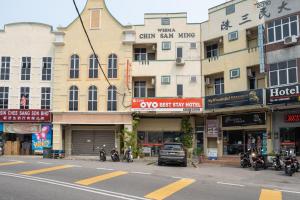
column 199, row 154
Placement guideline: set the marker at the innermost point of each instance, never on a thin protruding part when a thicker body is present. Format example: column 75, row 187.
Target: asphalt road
column 45, row 179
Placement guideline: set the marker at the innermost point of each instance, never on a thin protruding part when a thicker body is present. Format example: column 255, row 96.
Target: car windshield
column 176, row 147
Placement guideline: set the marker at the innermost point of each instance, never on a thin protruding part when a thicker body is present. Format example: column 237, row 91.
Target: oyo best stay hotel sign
column 167, row 104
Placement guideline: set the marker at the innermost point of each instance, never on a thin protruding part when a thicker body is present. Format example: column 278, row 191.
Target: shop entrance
column 239, row 141
column 290, row 139
column 17, row 144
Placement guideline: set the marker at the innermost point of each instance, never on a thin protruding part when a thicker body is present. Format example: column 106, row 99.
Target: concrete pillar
column 269, row 132
column 68, row 141
column 57, row 137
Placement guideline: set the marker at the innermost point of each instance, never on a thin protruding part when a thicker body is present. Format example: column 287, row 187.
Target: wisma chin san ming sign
column 286, row 94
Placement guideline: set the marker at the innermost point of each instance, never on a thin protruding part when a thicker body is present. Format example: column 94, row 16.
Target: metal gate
column 85, row 142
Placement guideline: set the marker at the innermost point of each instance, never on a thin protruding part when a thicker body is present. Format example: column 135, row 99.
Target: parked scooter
column 128, row 155
column 277, row 162
column 1, row 148
column 102, row 153
column 289, row 168
column 296, row 163
column 115, row 155
column 258, row 161
column 245, row 159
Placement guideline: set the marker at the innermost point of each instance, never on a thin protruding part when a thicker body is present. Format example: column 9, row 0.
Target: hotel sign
column 25, row 116
column 286, row 94
column 245, row 98
column 167, row 104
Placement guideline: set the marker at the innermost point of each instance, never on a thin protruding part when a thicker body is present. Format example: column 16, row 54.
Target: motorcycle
column 1, row 149
column 115, row 155
column 289, row 168
column 102, row 153
column 296, row 163
column 258, row 162
column 277, row 162
column 245, row 159
column 128, row 155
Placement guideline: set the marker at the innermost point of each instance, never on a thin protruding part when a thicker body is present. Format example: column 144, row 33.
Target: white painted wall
column 26, row 39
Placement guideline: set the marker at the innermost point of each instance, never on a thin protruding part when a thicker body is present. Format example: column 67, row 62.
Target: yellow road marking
column 170, row 189
column 39, row 171
column 11, row 163
column 96, row 179
column 270, row 195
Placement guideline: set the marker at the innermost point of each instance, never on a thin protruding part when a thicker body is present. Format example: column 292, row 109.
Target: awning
column 22, row 128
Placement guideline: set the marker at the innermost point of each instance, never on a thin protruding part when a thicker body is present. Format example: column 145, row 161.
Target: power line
column 94, row 52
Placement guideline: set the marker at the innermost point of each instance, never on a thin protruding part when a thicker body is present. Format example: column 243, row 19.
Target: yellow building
column 233, row 77
column 87, row 110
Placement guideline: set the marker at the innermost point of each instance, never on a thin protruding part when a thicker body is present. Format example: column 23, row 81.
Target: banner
column 25, row 116
column 42, row 139
column 1, row 128
column 244, row 119
column 167, row 104
column 22, row 128
column 245, row 98
column 286, row 94
column 212, row 127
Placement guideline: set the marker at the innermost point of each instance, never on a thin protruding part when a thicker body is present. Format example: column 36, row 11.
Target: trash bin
column 47, row 152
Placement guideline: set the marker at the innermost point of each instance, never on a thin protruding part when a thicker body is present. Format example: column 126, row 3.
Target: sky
column 62, row 12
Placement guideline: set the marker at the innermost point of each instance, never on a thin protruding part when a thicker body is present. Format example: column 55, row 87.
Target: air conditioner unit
column 207, row 81
column 290, row 40
column 153, row 81
column 193, row 79
column 179, row 61
column 249, row 72
column 153, row 47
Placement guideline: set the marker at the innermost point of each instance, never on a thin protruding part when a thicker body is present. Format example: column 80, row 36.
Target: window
column 95, row 19
column 230, row 9
column 193, row 45
column 179, row 90
column 166, row 45
column 281, row 28
column 74, row 68
column 140, row 54
column 212, row 50
column 92, row 103
column 283, row 73
column 112, row 98
column 112, row 66
column 165, row 21
column 5, row 68
column 179, row 52
column 93, row 70
column 219, row 86
column 233, row 36
column 252, row 81
column 24, row 97
column 46, row 72
column 4, row 97
column 235, row 73
column 140, row 89
column 73, row 98
column 26, row 66
column 165, row 80
column 45, row 98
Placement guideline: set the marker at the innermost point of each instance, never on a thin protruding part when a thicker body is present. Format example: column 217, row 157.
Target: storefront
column 284, row 103
column 161, row 119
column 26, row 132
column 236, row 122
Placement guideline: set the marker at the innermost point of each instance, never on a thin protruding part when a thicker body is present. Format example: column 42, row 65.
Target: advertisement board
column 286, row 94
column 42, row 139
column 244, row 119
column 25, row 115
column 167, row 104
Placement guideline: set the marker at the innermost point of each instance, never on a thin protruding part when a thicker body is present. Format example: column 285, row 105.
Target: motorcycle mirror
column 104, row 145
column 97, row 147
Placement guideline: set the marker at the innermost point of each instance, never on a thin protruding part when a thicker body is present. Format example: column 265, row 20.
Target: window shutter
column 95, row 19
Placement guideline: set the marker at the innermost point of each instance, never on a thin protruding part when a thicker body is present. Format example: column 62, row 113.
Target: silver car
column 172, row 153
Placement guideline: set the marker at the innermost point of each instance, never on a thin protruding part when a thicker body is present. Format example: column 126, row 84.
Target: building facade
column 282, row 69
column 166, row 77
column 26, row 76
column 90, row 108
column 233, row 72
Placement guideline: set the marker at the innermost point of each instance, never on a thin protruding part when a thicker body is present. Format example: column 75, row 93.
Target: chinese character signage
column 25, row 116
column 244, row 119
column 245, row 98
column 42, row 139
column 167, row 104
column 286, row 94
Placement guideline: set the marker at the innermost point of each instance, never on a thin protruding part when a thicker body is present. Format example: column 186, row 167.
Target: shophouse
column 233, row 70
column 26, row 76
column 166, row 78
column 283, row 58
column 90, row 107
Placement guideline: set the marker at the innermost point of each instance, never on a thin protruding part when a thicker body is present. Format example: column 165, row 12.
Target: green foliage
column 187, row 129
column 198, row 151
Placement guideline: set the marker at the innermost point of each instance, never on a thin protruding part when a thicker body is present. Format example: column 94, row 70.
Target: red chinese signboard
column 25, row 116
column 167, row 104
column 292, row 118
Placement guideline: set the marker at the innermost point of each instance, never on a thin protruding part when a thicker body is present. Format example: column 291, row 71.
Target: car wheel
column 184, row 164
column 159, row 163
